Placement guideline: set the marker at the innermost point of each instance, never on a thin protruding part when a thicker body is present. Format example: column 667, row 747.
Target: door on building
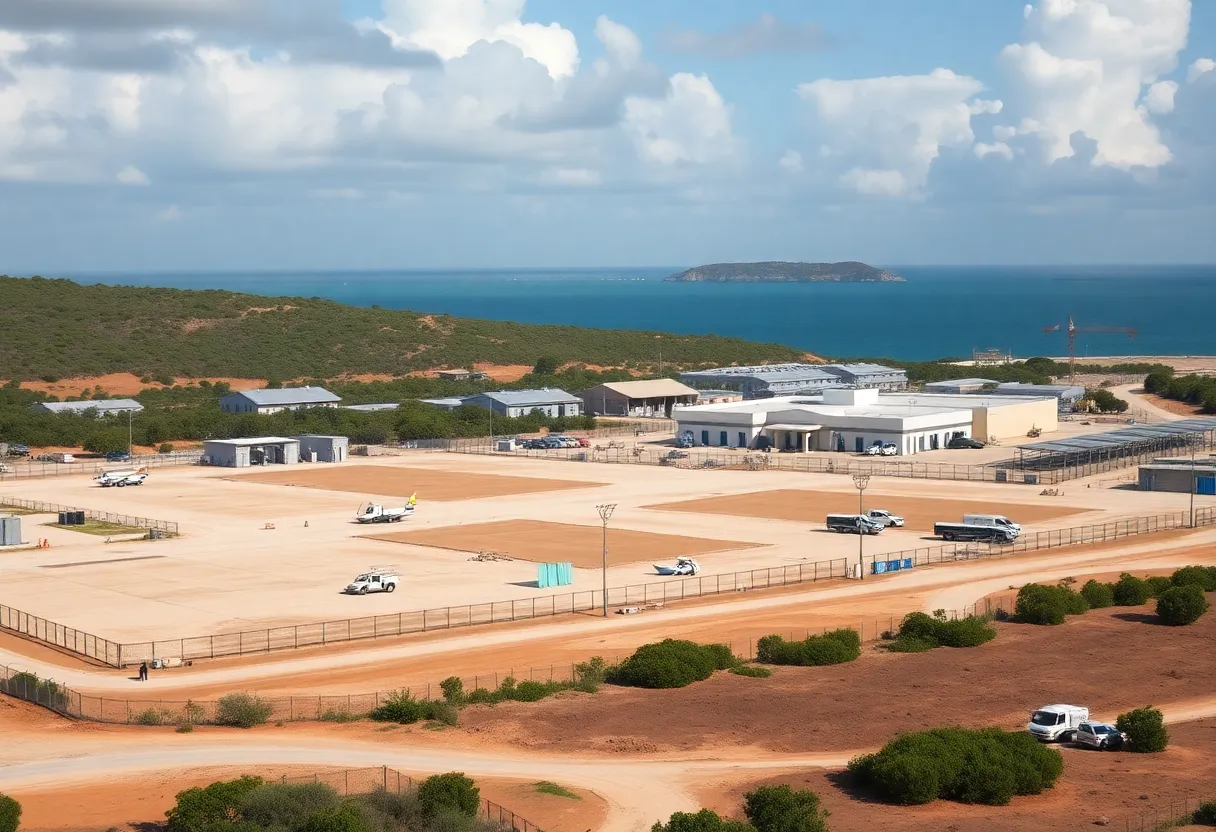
column 722, row 440
column 933, row 442
column 742, row 439
column 840, row 442
column 705, row 437
column 1205, row 485
column 859, row 444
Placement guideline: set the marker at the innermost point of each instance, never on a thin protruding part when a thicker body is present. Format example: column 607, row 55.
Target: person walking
column 143, row 672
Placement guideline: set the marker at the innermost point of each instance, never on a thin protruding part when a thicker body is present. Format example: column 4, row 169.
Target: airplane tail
column 413, row 499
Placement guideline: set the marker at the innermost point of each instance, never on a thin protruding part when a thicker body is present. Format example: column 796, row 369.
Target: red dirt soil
column 543, row 542
column 1181, row 408
column 127, row 384
column 441, row 486
column 812, row 506
column 1107, row 659
column 1119, row 786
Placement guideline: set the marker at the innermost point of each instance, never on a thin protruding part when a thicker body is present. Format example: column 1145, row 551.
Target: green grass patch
column 99, row 527
column 545, row 787
column 752, row 671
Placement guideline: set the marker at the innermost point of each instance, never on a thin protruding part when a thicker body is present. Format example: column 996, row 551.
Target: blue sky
column 316, row 134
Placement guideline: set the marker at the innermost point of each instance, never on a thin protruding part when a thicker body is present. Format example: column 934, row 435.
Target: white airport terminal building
column 849, row 420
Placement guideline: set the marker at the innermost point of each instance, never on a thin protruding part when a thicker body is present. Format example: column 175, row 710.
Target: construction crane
column 1073, row 329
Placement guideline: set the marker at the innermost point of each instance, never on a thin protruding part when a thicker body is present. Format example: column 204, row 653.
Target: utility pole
column 861, row 481
column 130, row 444
column 605, row 511
column 1194, row 482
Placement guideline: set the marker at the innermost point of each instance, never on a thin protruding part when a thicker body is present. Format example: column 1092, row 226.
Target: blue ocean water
column 938, row 312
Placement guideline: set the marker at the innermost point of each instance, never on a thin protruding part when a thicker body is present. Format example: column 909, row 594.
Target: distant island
column 778, row 272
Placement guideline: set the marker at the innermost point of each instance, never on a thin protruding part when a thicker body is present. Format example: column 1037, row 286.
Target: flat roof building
column 549, row 401
column 273, row 401
column 869, row 375
column 372, row 408
column 260, row 450
column 1183, row 478
column 103, row 407
column 764, row 380
column 961, row 385
column 1066, row 394
column 655, row 397
column 446, row 403
column 318, row 448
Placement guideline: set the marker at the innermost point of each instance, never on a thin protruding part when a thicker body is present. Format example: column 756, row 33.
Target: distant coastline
column 781, row 272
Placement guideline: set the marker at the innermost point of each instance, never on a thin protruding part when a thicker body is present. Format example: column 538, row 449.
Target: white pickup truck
column 374, row 581
column 121, row 479
column 885, row 517
column 377, row 513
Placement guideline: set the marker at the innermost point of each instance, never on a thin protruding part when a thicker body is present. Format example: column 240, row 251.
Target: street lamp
column 861, row 481
column 130, row 445
column 1194, row 483
column 605, row 511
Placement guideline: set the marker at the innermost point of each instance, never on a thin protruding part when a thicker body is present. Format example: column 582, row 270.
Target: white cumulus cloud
column 691, row 125
column 131, row 175
column 791, row 162
column 1202, row 66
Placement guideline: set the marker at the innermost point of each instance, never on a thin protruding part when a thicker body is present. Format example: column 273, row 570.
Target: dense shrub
column 589, row 675
column 403, row 708
column 1181, row 605
column 1145, row 729
column 1205, row 815
column 1201, row 576
column 987, row 766
column 287, row 805
column 671, row 663
column 451, row 791
column 346, row 817
column 453, row 690
column 197, row 809
column 1130, row 591
column 752, row 671
column 702, row 821
column 833, row 647
column 1049, row 605
column 783, row 809
column 1157, row 585
column 1098, row 595
column 242, row 710
column 10, row 814
column 919, row 632
column 28, row 686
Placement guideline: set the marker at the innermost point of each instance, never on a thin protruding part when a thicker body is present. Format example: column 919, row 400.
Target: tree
column 1145, row 729
column 198, row 808
column 1181, row 605
column 702, row 821
column 449, row 791
column 10, row 813
column 106, row 440
column 782, row 809
column 1106, row 401
column 546, row 365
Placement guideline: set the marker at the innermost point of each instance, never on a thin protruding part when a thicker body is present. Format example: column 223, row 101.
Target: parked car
column 998, row 520
column 1057, row 723
column 44, row 458
column 959, row 442
column 685, row 440
column 677, row 454
column 854, row 524
column 885, row 517
column 1099, row 735
column 875, row 449
column 889, row 449
column 19, row 450
column 583, row 442
column 118, row 456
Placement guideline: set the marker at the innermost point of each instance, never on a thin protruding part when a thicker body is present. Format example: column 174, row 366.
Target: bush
column 28, row 686
column 287, row 805
column 165, row 448
column 242, row 710
column 197, row 809
column 833, row 647
column 920, row 632
column 1205, row 815
column 346, row 817
column 1145, row 729
column 782, row 809
column 589, row 675
column 1048, row 605
column 702, row 821
column 1098, row 595
column 338, row 715
column 671, row 663
column 1202, row 576
column 153, row 716
column 401, row 707
column 752, row 671
column 1181, row 605
column 444, row 712
column 451, row 791
column 986, row 766
column 10, row 814
column 453, row 690
column 1130, row 591
column 1157, row 585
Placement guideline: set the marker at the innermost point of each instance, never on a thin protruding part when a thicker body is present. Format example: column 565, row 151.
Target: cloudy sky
column 287, row 134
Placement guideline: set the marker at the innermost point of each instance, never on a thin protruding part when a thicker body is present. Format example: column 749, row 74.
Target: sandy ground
column 427, row 484
column 919, row 513
column 542, row 542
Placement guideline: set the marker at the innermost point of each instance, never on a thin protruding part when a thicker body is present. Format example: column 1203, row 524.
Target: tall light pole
column 605, row 511
column 861, row 481
column 1194, row 483
column 130, row 445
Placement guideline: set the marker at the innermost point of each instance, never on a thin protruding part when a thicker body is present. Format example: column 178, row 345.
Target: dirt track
column 920, row 513
column 543, row 542
column 427, row 483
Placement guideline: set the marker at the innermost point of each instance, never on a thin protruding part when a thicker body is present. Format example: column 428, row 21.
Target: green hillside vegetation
column 58, row 328
column 1192, row 389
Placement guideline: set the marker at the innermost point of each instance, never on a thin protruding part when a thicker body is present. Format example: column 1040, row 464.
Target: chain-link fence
column 1169, row 813
column 163, row 527
column 265, row 640
column 14, row 468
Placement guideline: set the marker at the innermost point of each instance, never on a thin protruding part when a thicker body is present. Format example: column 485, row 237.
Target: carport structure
column 1130, row 444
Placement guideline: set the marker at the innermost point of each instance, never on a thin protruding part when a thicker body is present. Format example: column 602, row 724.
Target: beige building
column 655, row 397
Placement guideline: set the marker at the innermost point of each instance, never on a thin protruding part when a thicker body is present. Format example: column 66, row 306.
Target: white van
column 998, row 520
column 62, row 457
column 1057, row 723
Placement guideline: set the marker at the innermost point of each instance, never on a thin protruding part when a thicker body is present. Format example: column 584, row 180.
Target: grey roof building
column 372, row 408
column 869, row 375
column 548, row 400
column 104, row 407
column 960, row 385
column 765, row 380
column 445, row 403
column 1064, row 392
column 272, row 401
